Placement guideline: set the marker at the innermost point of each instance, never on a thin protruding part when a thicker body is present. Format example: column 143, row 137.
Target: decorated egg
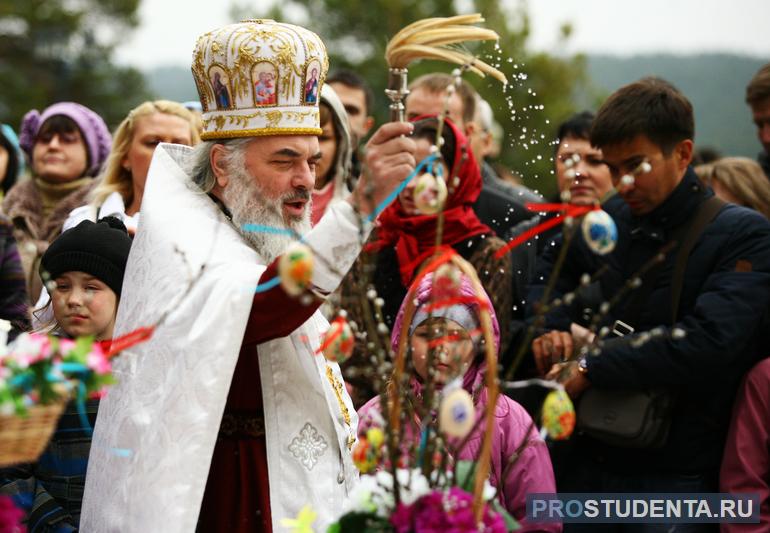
column 446, row 282
column 295, row 268
column 558, row 415
column 338, row 342
column 599, row 231
column 367, row 454
column 456, row 413
column 362, row 457
column 376, row 437
column 430, row 194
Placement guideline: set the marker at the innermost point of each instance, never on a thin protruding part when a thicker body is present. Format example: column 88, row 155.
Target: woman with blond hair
column 738, row 180
column 119, row 193
column 122, row 183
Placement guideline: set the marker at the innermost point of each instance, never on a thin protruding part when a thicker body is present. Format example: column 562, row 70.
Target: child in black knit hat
column 85, row 266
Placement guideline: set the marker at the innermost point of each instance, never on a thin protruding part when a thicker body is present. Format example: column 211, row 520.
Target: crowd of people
column 232, row 421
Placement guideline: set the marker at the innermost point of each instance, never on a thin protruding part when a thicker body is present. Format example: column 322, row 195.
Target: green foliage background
column 53, row 50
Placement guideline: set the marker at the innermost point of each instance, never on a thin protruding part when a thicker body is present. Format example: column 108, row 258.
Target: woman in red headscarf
column 404, row 238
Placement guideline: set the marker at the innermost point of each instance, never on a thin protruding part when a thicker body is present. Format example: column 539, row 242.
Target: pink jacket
column 746, row 460
column 531, row 473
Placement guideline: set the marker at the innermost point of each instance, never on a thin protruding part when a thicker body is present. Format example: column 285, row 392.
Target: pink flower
column 401, row 519
column 10, row 516
column 448, row 511
column 66, row 346
column 97, row 360
column 30, row 348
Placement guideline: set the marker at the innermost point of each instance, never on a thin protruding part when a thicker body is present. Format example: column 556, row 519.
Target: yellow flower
column 304, row 521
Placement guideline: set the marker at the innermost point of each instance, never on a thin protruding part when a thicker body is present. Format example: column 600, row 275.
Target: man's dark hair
column 354, row 81
column 578, row 126
column 758, row 88
column 438, row 83
column 651, row 107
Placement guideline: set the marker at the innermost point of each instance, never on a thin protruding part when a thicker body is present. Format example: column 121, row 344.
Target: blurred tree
column 541, row 88
column 53, row 50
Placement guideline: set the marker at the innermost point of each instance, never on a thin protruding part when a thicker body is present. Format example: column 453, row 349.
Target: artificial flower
column 28, row 349
column 98, row 361
column 303, row 523
column 10, row 516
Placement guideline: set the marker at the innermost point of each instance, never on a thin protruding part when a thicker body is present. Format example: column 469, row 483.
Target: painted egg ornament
column 339, row 341
column 376, row 437
column 366, row 456
column 430, row 194
column 361, row 455
column 558, row 415
column 456, row 414
column 599, row 231
column 295, row 268
column 446, row 282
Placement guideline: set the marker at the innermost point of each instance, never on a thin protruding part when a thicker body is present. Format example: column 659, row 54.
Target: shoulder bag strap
column 707, row 210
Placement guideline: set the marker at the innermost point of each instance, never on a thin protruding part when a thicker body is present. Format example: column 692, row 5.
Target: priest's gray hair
column 199, row 163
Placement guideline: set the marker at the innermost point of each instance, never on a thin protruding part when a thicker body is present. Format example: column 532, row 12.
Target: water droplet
column 678, row 333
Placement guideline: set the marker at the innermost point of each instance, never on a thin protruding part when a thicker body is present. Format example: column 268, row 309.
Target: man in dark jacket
column 645, row 131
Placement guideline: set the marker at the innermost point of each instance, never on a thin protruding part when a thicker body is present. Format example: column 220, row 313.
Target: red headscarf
column 414, row 236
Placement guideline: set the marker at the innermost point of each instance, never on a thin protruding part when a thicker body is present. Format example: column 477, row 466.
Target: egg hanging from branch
column 295, row 269
column 558, row 415
column 339, row 341
column 599, row 231
column 430, row 193
column 456, row 414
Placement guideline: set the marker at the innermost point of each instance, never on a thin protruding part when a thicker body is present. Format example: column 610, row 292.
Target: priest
column 228, row 418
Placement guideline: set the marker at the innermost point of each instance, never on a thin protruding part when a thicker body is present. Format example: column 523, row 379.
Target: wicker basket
column 24, row 438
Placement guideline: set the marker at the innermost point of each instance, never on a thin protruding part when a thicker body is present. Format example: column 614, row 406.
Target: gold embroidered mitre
column 259, row 77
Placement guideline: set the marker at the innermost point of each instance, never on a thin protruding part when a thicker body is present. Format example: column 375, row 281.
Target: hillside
column 172, row 83
column 715, row 84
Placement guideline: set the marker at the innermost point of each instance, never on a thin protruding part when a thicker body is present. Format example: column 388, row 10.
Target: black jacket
column 723, row 312
column 500, row 205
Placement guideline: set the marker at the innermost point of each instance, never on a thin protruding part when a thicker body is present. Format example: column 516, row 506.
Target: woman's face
column 452, row 345
column 406, row 196
column 327, row 141
column 149, row 131
column 588, row 180
column 59, row 157
column 84, row 305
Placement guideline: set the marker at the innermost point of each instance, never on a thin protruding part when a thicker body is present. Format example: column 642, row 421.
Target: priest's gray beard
column 248, row 204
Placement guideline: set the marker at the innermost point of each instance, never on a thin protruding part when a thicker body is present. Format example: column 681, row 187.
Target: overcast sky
column 169, row 27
